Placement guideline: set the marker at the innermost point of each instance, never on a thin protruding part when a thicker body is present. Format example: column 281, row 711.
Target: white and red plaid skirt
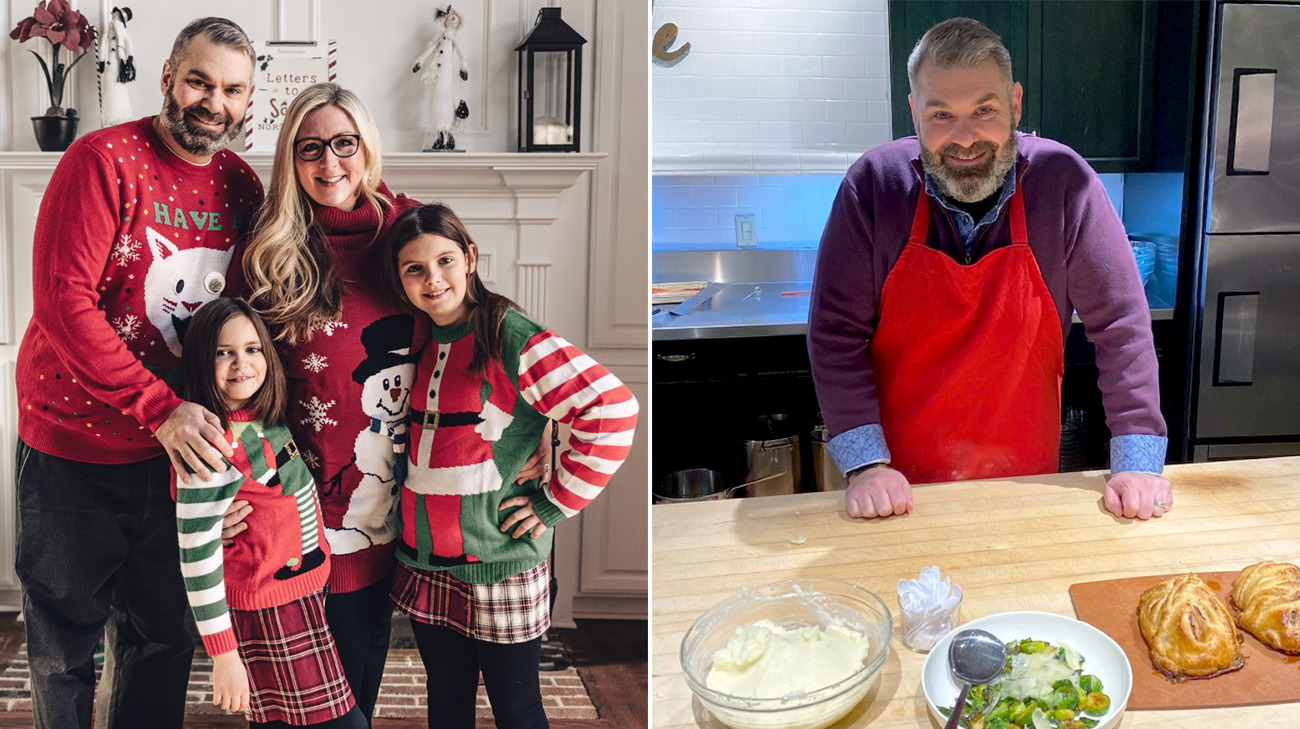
column 293, row 668
column 515, row 610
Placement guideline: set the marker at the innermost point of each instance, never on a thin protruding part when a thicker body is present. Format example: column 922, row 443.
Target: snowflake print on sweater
column 126, row 250
column 315, row 362
column 127, row 327
column 317, row 416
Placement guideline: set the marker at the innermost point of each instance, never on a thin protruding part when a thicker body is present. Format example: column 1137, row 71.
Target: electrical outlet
column 746, row 236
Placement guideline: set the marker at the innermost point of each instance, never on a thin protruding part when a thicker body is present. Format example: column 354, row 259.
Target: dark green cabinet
column 1087, row 67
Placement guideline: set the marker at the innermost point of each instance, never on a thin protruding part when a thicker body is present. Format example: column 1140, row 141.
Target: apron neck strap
column 921, row 219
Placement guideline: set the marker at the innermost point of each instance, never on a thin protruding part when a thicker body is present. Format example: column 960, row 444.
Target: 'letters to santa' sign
column 282, row 71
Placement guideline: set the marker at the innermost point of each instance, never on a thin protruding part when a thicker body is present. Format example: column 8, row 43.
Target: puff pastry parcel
column 1268, row 596
column 1188, row 629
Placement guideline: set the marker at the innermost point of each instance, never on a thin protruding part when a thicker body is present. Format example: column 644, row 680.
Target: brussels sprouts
column 1095, row 703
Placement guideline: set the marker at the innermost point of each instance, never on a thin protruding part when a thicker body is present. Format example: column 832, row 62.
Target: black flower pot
column 54, row 133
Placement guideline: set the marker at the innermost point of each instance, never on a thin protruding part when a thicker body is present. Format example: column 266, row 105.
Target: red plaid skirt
column 293, row 668
column 515, row 610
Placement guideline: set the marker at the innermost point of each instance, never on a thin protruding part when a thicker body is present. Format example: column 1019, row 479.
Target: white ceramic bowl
column 1102, row 657
column 794, row 604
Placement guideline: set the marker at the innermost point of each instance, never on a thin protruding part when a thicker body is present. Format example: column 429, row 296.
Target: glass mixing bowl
column 792, row 604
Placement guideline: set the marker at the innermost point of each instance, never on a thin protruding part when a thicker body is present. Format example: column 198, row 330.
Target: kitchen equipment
column 674, row 292
column 697, row 299
column 1268, row 677
column 1244, row 399
column 1101, row 657
column 772, row 449
column 826, row 473
column 699, row 484
column 793, row 603
column 974, row 657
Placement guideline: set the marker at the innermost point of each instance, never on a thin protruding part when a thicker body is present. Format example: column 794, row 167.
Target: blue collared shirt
column 967, row 228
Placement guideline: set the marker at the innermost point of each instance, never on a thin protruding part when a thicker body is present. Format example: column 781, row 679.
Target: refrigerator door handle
column 1250, row 132
column 1234, row 350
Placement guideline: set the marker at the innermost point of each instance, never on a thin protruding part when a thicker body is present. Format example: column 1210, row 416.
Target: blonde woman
column 313, row 269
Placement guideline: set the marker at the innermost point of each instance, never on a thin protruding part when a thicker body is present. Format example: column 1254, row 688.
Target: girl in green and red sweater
column 259, row 605
column 473, row 543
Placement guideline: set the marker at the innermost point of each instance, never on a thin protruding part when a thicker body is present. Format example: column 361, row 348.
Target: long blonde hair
column 289, row 268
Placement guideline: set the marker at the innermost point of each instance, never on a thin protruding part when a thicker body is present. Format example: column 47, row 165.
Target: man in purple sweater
column 945, row 284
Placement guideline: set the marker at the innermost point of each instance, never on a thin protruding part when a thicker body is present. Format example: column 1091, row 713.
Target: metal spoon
column 975, row 657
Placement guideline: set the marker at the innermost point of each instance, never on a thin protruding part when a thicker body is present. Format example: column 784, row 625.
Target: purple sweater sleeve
column 1105, row 290
column 841, row 315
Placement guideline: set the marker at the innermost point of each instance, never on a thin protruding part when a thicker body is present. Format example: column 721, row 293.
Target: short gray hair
column 220, row 31
column 958, row 43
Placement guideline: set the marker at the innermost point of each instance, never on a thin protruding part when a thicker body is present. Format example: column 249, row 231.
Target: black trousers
column 97, row 547
column 510, row 675
column 362, row 621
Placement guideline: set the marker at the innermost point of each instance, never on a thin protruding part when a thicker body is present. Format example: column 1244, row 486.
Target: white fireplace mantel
column 530, row 182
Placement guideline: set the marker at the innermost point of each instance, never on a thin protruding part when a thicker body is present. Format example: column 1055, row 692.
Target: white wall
column 378, row 45
column 773, row 74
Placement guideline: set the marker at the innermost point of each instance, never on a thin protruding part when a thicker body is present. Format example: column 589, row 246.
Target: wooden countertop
column 1012, row 544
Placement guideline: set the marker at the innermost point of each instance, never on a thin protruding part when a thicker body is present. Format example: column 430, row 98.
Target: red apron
column 968, row 360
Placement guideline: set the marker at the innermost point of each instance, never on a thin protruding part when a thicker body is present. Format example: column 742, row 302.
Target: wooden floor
column 610, row 656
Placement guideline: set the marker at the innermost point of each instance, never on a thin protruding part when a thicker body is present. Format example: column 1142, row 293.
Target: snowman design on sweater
column 385, row 376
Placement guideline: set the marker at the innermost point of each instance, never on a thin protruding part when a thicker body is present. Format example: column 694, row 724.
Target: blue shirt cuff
column 862, row 446
column 1138, row 453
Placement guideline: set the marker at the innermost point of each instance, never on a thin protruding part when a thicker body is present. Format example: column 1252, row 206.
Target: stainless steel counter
column 728, row 314
column 734, row 312
column 737, row 311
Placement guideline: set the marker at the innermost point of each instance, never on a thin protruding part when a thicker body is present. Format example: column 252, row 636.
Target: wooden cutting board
column 1111, row 606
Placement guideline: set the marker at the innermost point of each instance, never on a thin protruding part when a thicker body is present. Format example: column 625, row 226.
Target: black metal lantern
column 550, row 85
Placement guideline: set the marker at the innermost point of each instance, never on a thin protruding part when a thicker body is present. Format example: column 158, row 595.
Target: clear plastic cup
column 922, row 629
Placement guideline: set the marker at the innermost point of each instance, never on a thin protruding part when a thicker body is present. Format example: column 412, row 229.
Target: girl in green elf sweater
column 259, row 604
column 472, row 571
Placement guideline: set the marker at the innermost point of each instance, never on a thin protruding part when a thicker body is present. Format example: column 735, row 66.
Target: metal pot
column 776, row 462
column 825, row 472
column 698, row 484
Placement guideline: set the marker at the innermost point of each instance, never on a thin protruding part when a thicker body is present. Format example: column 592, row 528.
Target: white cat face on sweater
column 178, row 283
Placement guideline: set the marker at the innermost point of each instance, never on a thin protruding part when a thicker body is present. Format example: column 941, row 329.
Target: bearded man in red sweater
column 136, row 231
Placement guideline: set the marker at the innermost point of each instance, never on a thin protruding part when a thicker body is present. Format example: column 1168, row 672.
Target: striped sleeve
column 199, row 509
column 564, row 384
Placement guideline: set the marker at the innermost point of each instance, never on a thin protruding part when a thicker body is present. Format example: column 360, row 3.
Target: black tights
column 354, row 719
column 510, row 674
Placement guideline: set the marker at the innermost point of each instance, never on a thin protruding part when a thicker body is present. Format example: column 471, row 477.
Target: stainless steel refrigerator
column 1244, row 399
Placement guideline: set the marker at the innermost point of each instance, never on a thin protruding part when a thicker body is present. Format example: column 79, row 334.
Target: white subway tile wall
column 762, row 75
column 698, row 212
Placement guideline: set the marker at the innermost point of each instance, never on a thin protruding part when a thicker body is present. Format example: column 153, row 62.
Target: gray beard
column 194, row 139
column 974, row 184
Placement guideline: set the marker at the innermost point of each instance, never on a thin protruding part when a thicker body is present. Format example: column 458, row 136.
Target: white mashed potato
column 764, row 660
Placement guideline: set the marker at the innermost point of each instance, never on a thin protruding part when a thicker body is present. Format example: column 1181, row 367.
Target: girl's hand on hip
column 229, row 682
column 538, row 464
column 524, row 519
column 232, row 522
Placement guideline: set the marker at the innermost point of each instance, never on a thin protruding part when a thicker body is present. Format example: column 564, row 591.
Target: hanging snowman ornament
column 442, row 67
column 116, row 69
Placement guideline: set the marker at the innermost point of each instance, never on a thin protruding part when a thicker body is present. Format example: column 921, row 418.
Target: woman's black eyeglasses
column 310, row 149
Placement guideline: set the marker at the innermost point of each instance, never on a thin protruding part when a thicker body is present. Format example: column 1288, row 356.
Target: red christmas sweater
column 349, row 387
column 130, row 241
